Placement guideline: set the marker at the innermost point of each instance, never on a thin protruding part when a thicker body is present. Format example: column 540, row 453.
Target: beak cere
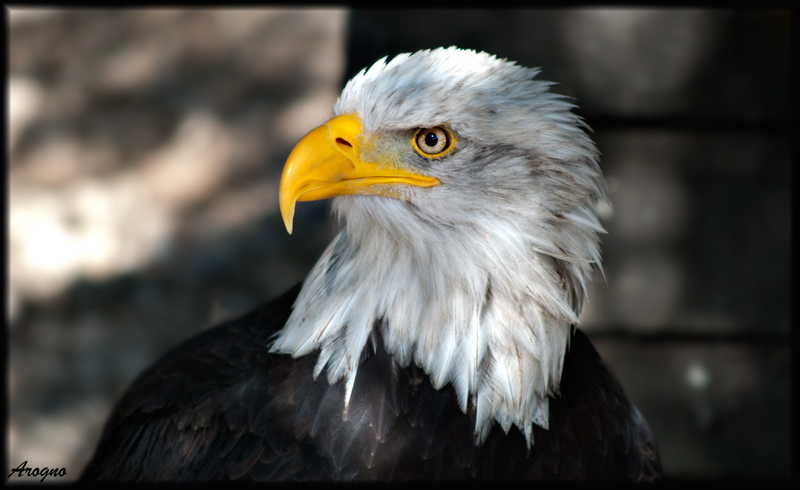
column 326, row 163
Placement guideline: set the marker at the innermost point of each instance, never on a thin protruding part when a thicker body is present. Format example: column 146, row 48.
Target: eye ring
column 433, row 142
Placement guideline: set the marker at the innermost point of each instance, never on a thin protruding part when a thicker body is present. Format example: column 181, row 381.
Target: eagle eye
column 433, row 142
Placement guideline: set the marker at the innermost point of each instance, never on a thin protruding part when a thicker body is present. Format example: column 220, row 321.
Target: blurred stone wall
column 146, row 148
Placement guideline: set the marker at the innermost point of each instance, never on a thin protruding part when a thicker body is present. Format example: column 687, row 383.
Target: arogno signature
column 43, row 472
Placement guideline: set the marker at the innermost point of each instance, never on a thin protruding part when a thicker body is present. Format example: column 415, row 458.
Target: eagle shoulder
column 221, row 406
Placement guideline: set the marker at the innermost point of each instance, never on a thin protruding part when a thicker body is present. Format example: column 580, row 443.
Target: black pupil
column 431, row 139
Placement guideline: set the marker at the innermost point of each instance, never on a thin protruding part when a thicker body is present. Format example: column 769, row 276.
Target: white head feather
column 478, row 279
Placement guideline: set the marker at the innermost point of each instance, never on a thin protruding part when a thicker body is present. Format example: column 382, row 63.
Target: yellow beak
column 325, row 163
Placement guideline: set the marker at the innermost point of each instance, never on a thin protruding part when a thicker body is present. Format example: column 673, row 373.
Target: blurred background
column 145, row 149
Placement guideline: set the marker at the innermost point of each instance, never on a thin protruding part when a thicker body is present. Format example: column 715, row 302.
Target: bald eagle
column 435, row 337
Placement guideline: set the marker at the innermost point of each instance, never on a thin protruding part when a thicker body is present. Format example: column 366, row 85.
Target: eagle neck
column 480, row 309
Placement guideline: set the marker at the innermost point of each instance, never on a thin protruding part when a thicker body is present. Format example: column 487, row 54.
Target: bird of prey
column 436, row 336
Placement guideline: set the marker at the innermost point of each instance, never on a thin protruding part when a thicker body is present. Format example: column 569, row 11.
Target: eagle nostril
column 343, row 142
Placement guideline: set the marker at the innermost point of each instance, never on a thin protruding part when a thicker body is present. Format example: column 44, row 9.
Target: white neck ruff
column 482, row 307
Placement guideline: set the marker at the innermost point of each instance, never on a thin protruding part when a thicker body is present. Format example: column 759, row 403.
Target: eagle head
column 467, row 192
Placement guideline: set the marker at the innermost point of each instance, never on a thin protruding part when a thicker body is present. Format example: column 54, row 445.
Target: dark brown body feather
column 220, row 406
